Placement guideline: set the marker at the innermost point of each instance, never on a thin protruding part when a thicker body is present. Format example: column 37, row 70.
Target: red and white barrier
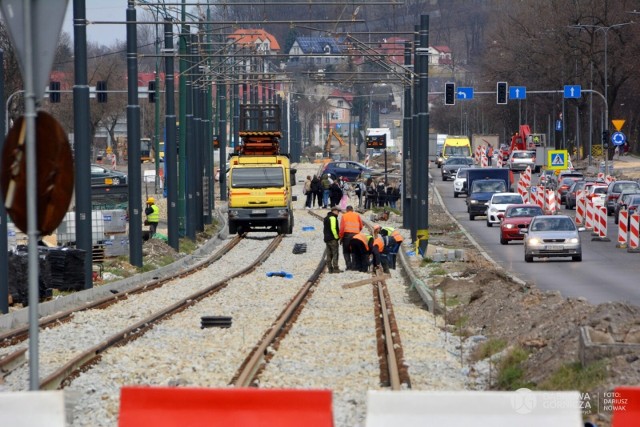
column 484, row 160
column 609, row 179
column 600, row 176
column 550, row 202
column 600, row 222
column 623, row 230
column 588, row 224
column 477, row 154
column 634, row 239
column 499, row 162
column 580, row 207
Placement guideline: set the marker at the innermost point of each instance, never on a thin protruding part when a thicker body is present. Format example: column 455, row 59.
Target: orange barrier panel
column 625, row 404
column 230, row 407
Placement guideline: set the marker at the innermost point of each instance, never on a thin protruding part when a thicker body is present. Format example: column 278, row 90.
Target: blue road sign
column 558, row 124
column 464, row 93
column 618, row 138
column 517, row 92
column 572, row 91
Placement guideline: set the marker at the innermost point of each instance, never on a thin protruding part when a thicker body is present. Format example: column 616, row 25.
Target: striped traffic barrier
column 600, row 176
column 588, row 224
column 550, row 202
column 484, row 160
column 499, row 162
column 580, row 207
column 609, row 179
column 634, row 227
column 623, row 230
column 600, row 223
column 477, row 154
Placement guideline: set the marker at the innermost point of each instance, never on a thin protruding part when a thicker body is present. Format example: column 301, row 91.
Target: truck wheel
column 233, row 228
column 283, row 227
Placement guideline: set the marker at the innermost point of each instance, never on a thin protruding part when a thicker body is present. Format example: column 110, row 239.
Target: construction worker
column 331, row 239
column 359, row 247
column 153, row 216
column 392, row 241
column 376, row 247
column 350, row 225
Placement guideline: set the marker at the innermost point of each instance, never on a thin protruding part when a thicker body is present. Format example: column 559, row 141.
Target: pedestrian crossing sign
column 557, row 159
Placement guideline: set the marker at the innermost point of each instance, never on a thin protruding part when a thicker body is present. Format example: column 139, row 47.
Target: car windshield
column 600, row 190
column 257, row 177
column 523, row 155
column 456, row 151
column 621, row 186
column 635, row 200
column 553, row 224
column 457, row 161
column 489, row 186
column 524, row 212
column 505, row 200
column 462, row 173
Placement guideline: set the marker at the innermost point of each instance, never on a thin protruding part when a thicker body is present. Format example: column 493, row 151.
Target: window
column 257, row 177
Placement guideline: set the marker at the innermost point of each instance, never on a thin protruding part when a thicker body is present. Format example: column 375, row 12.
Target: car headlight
column 473, row 202
column 534, row 241
column 509, row 226
column 492, row 209
column 573, row 240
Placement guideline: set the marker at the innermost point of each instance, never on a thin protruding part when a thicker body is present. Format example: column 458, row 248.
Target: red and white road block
column 484, row 160
column 588, row 224
column 550, row 206
column 580, row 207
column 477, row 154
column 499, row 162
column 634, row 238
column 600, row 222
column 623, row 229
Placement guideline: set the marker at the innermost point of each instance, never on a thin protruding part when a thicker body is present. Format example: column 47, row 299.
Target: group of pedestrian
column 359, row 249
column 326, row 192
column 378, row 194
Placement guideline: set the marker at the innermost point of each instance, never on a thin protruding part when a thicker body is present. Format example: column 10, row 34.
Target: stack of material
column 215, row 322
column 67, row 268
column 299, row 248
column 18, row 273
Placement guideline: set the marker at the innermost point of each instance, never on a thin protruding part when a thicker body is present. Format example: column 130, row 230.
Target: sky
column 101, row 10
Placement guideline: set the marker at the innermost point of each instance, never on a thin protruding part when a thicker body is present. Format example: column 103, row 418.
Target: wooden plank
column 366, row 281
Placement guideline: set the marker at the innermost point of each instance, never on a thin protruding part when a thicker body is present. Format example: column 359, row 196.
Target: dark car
column 570, row 195
column 103, row 176
column 623, row 202
column 563, row 187
column 614, row 190
column 452, row 164
column 347, row 169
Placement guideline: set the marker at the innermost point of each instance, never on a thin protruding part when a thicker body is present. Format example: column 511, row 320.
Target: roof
column 251, row 35
column 337, row 93
column 318, row 44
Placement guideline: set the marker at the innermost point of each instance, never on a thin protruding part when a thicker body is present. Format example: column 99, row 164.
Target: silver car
column 552, row 236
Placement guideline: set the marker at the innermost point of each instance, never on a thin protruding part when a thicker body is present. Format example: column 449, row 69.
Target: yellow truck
column 260, row 177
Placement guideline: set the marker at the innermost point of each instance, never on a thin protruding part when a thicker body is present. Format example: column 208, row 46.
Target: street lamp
column 605, row 30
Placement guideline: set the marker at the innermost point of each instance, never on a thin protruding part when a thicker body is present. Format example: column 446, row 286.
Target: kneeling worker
column 392, row 241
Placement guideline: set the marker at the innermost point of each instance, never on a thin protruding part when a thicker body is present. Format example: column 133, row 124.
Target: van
column 459, row 146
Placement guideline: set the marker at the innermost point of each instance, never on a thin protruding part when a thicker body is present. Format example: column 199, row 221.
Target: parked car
column 452, row 164
column 521, row 159
column 570, row 195
column 516, row 218
column 104, row 176
column 460, row 182
column 614, row 190
column 552, row 236
column 622, row 202
column 498, row 204
column 347, row 169
column 569, row 173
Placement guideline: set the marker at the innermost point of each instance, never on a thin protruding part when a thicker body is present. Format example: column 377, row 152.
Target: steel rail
column 57, row 378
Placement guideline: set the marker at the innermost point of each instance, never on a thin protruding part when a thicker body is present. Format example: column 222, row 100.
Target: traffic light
column 101, row 91
column 502, row 93
column 605, row 139
column 152, row 91
column 54, row 92
column 449, row 93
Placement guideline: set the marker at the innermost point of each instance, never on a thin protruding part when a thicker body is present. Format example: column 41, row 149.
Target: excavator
column 524, row 140
column 325, row 156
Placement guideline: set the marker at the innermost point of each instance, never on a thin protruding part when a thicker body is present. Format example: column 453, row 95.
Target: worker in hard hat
column 153, row 216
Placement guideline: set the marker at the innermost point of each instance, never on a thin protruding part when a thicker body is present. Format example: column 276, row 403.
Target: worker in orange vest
column 350, row 225
column 376, row 247
column 359, row 247
column 392, row 241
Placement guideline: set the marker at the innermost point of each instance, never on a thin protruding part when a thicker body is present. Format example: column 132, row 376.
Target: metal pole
column 414, row 139
column 82, row 152
column 406, row 140
column 4, row 258
column 156, row 131
column 590, row 117
column 182, row 151
column 170, row 146
column 189, row 147
column 423, row 144
column 605, row 147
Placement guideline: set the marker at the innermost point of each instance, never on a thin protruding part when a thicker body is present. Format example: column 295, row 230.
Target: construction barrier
column 588, row 224
column 626, row 407
column 600, row 222
column 550, row 207
column 522, row 408
column 623, row 230
column 484, row 160
column 499, row 162
column 238, row 407
column 609, row 179
column 477, row 154
column 32, row 409
column 634, row 227
column 580, row 207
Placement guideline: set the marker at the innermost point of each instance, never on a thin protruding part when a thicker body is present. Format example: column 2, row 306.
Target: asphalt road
column 606, row 273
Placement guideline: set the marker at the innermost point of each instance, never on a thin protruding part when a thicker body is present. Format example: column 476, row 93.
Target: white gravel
column 331, row 346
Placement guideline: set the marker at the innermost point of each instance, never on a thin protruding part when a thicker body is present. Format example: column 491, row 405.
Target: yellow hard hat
column 151, row 200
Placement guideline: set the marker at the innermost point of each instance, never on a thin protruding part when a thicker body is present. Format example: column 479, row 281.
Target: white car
column 498, row 204
column 460, row 182
column 521, row 159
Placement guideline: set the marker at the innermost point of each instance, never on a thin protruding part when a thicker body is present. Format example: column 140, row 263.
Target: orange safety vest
column 350, row 223
column 363, row 238
column 379, row 243
column 392, row 232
